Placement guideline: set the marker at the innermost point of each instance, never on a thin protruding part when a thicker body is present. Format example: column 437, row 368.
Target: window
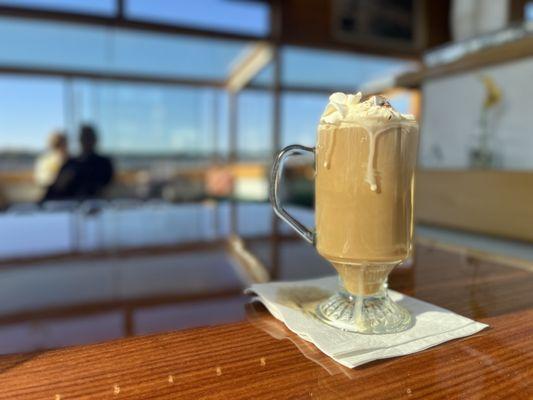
column 43, row 44
column 178, row 56
column 82, row 6
column 528, row 11
column 161, row 131
column 300, row 117
column 22, row 135
column 254, row 130
column 237, row 16
column 31, row 43
column 143, row 125
column 333, row 69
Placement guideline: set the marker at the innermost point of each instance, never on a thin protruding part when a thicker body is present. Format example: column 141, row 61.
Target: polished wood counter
column 259, row 358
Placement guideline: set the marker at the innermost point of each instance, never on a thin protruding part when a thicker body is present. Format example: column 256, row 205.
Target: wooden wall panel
column 490, row 202
column 435, row 20
column 309, row 23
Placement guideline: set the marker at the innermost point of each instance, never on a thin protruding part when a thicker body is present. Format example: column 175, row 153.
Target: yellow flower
column 493, row 94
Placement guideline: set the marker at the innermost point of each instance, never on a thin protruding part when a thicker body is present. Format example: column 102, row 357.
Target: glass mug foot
column 363, row 305
column 363, row 314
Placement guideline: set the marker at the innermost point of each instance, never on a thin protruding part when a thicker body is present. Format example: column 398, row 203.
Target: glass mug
column 364, row 187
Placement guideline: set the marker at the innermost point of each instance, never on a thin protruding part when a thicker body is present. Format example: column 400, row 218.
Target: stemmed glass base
column 372, row 313
column 364, row 314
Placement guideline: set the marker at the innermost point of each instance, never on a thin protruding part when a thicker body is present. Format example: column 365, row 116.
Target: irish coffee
column 365, row 162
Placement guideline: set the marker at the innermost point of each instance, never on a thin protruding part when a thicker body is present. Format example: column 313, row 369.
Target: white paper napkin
column 432, row 325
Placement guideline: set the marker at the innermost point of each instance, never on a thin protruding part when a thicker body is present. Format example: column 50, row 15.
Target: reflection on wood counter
column 249, row 360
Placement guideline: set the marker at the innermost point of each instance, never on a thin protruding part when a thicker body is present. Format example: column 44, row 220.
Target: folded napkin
column 293, row 302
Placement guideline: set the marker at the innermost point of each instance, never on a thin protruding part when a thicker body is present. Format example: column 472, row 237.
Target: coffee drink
column 365, row 159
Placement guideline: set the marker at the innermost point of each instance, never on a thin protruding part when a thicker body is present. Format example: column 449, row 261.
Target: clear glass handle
column 277, row 170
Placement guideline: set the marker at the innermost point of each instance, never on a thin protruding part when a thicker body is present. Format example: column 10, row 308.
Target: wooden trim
column 362, row 47
column 420, row 28
column 311, row 24
column 496, row 55
column 505, row 53
column 411, row 79
column 300, row 89
column 516, row 10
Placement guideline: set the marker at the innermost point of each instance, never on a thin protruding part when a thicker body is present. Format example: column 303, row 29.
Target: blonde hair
column 57, row 140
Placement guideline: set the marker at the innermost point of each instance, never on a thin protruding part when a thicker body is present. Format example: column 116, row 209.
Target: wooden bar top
column 258, row 358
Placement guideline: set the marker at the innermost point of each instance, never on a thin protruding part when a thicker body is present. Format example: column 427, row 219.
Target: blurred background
column 136, row 139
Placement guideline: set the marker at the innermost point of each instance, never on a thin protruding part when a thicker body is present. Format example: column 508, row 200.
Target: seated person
column 49, row 163
column 85, row 176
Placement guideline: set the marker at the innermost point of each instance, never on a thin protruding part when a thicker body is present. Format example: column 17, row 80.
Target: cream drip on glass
column 375, row 115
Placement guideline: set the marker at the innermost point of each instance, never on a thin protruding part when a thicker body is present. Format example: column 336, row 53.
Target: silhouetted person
column 85, row 176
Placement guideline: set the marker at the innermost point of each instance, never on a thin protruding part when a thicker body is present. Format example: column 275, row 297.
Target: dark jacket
column 82, row 177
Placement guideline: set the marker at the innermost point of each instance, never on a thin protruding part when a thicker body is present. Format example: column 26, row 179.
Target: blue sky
column 151, row 118
column 29, row 110
column 237, row 16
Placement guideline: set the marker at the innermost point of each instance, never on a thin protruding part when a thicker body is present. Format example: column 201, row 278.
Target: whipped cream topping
column 349, row 108
column 375, row 114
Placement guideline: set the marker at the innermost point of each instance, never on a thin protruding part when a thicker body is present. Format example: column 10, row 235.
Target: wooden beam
column 310, row 23
column 517, row 10
column 495, row 55
column 254, row 59
column 504, row 53
column 301, row 89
